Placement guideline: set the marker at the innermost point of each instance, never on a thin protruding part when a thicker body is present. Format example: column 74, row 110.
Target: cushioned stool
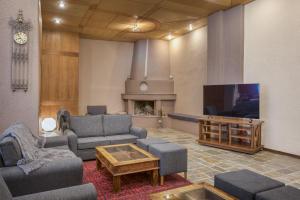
column 286, row 193
column 173, row 159
column 144, row 143
column 245, row 184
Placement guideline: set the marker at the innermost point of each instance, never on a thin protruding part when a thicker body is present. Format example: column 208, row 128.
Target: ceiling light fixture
column 61, row 4
column 190, row 27
column 170, row 36
column 135, row 27
column 57, row 20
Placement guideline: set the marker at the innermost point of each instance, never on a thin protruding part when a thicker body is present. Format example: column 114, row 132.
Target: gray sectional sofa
column 90, row 131
column 46, row 182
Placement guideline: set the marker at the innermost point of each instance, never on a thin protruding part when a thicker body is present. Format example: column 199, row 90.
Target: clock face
column 20, row 38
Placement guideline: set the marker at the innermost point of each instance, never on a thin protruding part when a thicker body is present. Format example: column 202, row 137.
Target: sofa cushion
column 4, row 191
column 144, row 143
column 10, row 151
column 122, row 139
column 92, row 142
column 116, row 124
column 245, row 184
column 87, row 126
column 286, row 193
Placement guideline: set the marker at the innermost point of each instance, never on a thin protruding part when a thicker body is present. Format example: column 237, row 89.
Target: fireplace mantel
column 151, row 97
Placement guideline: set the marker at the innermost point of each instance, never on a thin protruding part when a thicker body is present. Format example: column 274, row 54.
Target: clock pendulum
column 20, row 53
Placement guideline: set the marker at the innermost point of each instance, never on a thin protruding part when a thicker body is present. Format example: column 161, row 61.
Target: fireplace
column 144, row 108
column 149, row 90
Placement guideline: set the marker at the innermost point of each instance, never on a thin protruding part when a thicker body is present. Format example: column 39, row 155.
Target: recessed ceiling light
column 190, row 27
column 170, row 36
column 57, row 20
column 61, row 4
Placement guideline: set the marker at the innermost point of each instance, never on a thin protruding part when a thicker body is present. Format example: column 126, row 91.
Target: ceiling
column 114, row 19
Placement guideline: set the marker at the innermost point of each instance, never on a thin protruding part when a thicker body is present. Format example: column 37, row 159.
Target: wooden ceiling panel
column 125, row 7
column 100, row 19
column 184, row 9
column 209, row 5
column 66, row 20
column 162, row 15
column 72, row 9
column 114, row 19
column 153, row 2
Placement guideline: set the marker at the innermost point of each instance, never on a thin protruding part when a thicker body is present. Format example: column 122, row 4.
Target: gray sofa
column 80, row 192
column 87, row 132
column 54, row 175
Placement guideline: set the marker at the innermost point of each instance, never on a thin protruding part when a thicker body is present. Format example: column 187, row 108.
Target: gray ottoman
column 173, row 159
column 144, row 143
column 245, row 184
column 286, row 193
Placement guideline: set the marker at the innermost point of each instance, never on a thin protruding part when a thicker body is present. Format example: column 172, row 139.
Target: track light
column 190, row 27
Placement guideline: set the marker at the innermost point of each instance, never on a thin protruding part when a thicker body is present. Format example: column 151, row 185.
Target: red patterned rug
column 133, row 187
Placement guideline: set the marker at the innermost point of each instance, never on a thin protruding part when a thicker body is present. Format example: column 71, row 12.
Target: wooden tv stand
column 242, row 135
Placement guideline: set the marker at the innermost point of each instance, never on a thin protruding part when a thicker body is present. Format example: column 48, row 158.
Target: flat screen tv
column 238, row 100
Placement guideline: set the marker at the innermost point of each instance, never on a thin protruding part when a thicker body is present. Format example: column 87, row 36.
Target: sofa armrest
column 72, row 140
column 53, row 175
column 141, row 133
column 80, row 192
column 55, row 141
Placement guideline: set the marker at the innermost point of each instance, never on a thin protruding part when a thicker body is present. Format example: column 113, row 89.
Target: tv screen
column 239, row 100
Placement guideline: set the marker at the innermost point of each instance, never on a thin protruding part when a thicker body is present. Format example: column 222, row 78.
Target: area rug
column 133, row 186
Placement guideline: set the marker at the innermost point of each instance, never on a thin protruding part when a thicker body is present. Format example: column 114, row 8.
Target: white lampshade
column 49, row 124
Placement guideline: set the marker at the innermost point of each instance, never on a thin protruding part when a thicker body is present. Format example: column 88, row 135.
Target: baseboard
column 281, row 153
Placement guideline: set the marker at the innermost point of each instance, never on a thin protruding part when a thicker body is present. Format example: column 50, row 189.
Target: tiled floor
column 204, row 162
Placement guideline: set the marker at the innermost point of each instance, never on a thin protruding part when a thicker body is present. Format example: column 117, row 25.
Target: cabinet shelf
column 232, row 134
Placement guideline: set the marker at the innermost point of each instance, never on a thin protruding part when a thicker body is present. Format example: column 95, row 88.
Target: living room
column 149, row 99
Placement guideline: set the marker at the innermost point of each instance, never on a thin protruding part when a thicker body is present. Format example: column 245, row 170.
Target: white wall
column 188, row 60
column 225, row 46
column 19, row 106
column 272, row 58
column 103, row 68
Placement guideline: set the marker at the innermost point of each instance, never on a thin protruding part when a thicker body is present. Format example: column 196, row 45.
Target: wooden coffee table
column 125, row 159
column 201, row 191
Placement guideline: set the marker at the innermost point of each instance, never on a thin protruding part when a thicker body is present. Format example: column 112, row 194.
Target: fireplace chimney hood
column 150, row 72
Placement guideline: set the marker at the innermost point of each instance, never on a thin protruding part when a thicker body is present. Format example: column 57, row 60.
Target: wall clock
column 20, row 53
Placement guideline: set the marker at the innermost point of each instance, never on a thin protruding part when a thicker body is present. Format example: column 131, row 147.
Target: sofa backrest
column 96, row 110
column 87, row 126
column 4, row 191
column 116, row 124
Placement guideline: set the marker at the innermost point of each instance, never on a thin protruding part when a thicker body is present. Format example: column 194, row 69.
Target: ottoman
column 245, row 184
column 173, row 159
column 286, row 193
column 144, row 143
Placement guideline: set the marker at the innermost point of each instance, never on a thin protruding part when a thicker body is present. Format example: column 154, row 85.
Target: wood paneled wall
column 59, row 74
